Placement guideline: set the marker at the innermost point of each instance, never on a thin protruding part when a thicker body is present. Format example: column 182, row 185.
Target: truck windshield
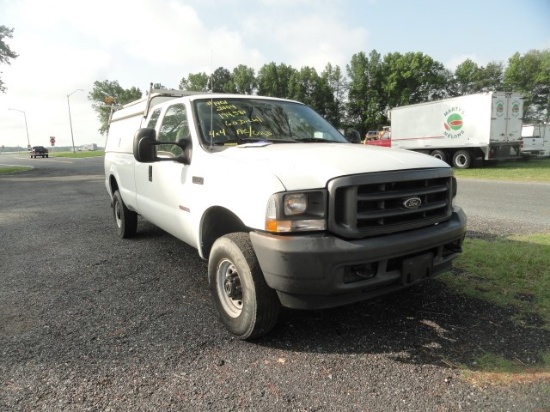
column 229, row 121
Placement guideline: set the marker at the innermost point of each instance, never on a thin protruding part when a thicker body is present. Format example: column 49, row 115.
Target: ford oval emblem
column 412, row 202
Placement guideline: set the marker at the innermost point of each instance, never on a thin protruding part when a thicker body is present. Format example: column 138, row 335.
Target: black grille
column 381, row 203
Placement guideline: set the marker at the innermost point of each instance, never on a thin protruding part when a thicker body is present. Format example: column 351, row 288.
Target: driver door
column 163, row 187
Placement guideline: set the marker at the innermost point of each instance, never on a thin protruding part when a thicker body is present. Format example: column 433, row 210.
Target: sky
column 64, row 46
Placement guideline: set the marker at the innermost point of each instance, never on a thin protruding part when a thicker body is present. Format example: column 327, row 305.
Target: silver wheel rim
column 118, row 220
column 228, row 284
column 461, row 160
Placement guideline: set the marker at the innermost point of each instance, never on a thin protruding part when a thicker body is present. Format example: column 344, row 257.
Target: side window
column 174, row 127
column 153, row 120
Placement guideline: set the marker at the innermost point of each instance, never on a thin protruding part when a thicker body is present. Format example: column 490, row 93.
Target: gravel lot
column 89, row 322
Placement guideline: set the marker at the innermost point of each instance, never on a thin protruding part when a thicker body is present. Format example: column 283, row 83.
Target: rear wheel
column 439, row 154
column 462, row 159
column 125, row 219
column 246, row 305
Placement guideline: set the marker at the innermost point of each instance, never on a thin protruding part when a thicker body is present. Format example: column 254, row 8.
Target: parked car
column 39, row 151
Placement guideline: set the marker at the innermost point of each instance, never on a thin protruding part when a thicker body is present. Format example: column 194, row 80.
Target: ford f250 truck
column 286, row 211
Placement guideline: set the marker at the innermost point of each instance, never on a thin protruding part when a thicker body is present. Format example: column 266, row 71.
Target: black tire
column 462, row 159
column 439, row 154
column 246, row 305
column 125, row 219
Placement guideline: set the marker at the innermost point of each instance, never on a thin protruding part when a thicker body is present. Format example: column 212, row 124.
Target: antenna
column 211, row 71
column 211, row 99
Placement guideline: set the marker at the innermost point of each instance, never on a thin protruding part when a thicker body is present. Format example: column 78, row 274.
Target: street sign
column 52, row 140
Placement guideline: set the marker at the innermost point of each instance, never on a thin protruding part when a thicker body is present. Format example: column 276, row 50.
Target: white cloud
column 322, row 40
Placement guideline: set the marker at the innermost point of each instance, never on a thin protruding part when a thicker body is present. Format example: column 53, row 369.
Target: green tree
column 336, row 81
column 413, row 78
column 274, row 80
column 491, row 77
column 196, row 82
column 470, row 78
column 308, row 87
column 243, row 80
column 530, row 75
column 467, row 76
column 220, row 81
column 5, row 52
column 110, row 89
column 367, row 100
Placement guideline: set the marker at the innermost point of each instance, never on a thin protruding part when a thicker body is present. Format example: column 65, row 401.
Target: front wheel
column 125, row 219
column 462, row 159
column 246, row 305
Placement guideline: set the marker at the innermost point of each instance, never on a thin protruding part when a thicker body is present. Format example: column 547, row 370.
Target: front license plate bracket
column 417, row 268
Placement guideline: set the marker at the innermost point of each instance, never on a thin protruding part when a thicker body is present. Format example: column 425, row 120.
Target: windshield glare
column 233, row 120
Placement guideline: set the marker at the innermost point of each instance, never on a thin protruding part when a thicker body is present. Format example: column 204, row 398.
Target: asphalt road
column 505, row 207
column 92, row 322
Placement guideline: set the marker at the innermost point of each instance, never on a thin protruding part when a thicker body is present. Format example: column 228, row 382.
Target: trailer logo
column 500, row 108
column 453, row 123
column 515, row 108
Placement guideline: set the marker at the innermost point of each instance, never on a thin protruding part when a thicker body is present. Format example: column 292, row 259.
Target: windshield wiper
column 239, row 141
column 314, row 140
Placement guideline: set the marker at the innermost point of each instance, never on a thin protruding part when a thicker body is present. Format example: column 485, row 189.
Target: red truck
column 382, row 139
column 39, row 151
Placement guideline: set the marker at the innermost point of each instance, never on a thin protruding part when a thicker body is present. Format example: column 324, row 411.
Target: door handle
column 150, row 173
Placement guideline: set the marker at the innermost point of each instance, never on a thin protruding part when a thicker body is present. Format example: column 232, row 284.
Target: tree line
column 360, row 97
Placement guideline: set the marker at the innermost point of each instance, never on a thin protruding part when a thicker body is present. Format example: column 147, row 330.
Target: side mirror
column 144, row 147
column 354, row 137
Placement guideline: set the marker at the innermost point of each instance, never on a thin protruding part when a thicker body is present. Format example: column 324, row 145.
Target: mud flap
column 417, row 268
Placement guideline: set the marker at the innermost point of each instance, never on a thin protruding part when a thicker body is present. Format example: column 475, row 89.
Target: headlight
column 296, row 212
column 295, row 204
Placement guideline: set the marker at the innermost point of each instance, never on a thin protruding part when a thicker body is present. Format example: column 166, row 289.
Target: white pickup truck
column 532, row 140
column 285, row 210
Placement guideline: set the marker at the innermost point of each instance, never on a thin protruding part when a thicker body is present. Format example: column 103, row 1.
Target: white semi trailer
column 459, row 130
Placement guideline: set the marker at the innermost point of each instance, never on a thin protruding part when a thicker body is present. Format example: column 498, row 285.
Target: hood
column 313, row 165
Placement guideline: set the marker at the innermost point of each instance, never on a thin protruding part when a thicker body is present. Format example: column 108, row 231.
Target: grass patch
column 78, row 155
column 493, row 369
column 13, row 169
column 513, row 273
column 534, row 170
column 507, row 272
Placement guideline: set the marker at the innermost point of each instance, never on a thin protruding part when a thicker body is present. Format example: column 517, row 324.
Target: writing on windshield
column 236, row 119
